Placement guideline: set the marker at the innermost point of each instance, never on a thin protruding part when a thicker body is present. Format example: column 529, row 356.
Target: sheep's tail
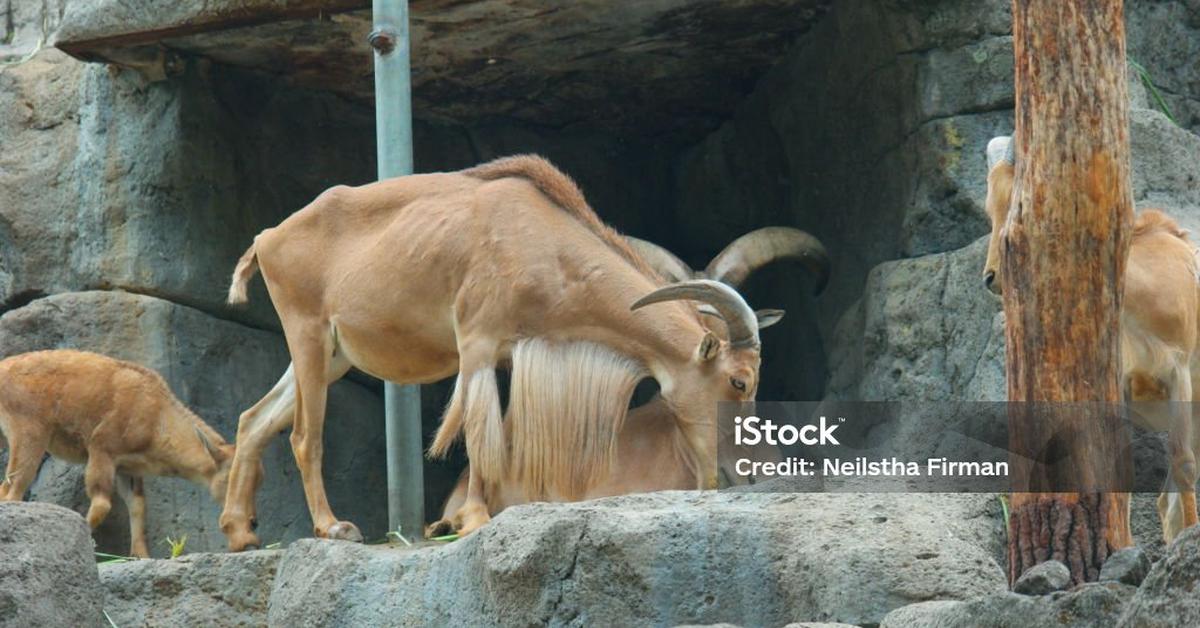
column 246, row 268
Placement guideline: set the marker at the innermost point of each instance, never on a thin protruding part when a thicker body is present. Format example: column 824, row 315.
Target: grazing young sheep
column 118, row 418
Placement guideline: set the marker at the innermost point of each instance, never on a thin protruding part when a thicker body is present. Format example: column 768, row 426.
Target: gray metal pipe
column 393, row 149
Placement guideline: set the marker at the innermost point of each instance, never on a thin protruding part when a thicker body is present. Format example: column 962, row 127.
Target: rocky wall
column 870, row 134
column 1164, row 38
column 865, row 135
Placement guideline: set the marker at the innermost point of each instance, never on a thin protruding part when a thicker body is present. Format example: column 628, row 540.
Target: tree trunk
column 1067, row 239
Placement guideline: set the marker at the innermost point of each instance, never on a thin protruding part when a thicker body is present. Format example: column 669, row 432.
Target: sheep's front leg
column 473, row 514
column 481, row 416
column 457, row 497
column 701, row 438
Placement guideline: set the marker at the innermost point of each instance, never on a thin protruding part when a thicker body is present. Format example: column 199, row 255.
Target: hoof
column 239, row 531
column 244, row 541
column 472, row 521
column 344, row 531
column 441, row 527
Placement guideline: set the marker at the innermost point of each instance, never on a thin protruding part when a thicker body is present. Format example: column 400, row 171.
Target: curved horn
column 739, row 318
column 769, row 244
column 661, row 260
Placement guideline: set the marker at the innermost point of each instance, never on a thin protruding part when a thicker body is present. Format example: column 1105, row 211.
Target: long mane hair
column 567, row 404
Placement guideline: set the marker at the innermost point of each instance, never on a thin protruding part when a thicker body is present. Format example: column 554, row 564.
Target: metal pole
column 393, row 148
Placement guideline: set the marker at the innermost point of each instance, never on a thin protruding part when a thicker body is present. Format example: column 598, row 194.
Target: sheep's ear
column 212, row 449
column 766, row 318
column 709, row 347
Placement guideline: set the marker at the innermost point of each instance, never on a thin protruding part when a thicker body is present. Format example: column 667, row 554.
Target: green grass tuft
column 103, row 558
column 177, row 546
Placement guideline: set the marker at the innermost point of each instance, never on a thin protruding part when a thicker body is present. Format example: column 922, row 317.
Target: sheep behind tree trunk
column 1068, row 235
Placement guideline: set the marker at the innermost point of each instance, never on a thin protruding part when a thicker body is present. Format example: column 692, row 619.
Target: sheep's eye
column 738, row 384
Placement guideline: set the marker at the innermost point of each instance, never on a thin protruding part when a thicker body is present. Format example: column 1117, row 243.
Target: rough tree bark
column 1067, row 239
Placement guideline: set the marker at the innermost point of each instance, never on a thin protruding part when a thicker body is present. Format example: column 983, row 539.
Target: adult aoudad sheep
column 418, row 278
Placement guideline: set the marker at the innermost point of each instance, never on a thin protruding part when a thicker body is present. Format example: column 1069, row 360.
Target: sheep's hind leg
column 133, row 493
column 313, row 348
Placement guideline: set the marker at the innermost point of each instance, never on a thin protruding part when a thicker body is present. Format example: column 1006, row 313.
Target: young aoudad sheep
column 118, row 418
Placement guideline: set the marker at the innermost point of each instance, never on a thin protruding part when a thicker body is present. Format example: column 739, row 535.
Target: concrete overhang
column 652, row 67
